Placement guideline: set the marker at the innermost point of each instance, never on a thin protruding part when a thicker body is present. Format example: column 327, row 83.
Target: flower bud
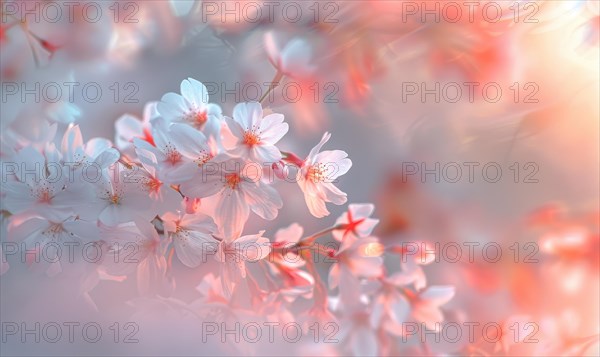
column 280, row 170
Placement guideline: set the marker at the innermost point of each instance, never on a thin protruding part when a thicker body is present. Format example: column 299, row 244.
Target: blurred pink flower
column 293, row 59
column 191, row 236
column 234, row 253
column 356, row 221
column 137, row 248
column 425, row 305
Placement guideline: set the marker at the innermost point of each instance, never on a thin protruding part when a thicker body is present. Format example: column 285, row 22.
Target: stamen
column 204, row 157
column 252, row 137
column 173, row 156
column 197, row 118
column 152, row 185
column 232, row 180
column 317, row 173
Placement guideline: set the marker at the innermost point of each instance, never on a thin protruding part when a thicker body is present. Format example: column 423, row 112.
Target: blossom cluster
column 182, row 182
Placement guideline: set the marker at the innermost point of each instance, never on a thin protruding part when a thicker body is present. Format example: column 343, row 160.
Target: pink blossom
column 359, row 258
column 317, row 175
column 356, row 221
column 136, row 248
column 426, row 304
column 177, row 152
column 293, row 59
column 119, row 200
column 47, row 189
column 233, row 254
column 191, row 235
column 39, row 232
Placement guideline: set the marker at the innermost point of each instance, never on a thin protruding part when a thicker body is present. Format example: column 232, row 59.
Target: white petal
column 291, row 234
column 191, row 247
column 172, row 107
column 265, row 154
column 263, row 199
column 252, row 247
column 189, row 141
column 248, row 114
column 201, row 186
column 235, row 127
column 316, row 205
column 194, row 92
column 333, row 194
column 232, row 213
column 317, row 148
column 361, row 210
column 295, row 57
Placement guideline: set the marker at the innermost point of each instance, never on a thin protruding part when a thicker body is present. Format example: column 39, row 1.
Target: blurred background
column 464, row 123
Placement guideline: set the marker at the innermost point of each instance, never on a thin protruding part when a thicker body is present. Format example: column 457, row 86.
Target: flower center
column 197, row 118
column 251, row 138
column 203, row 158
column 152, row 185
column 54, row 230
column 43, row 194
column 232, row 180
column 114, row 199
column 173, row 156
column 317, row 173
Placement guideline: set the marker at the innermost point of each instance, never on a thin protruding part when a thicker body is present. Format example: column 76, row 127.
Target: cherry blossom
column 293, row 59
column 145, row 179
column 173, row 182
column 233, row 255
column 413, row 255
column 192, row 107
column 360, row 258
column 318, row 174
column 43, row 187
column 191, row 236
column 128, row 127
column 96, row 152
column 356, row 221
column 177, row 150
column 425, row 305
column 391, row 307
column 51, row 237
column 119, row 200
column 359, row 332
column 238, row 189
column 256, row 135
column 136, row 248
column 285, row 263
